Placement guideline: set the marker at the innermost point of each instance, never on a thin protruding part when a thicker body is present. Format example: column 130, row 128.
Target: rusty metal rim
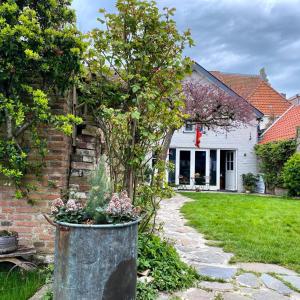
column 99, row 226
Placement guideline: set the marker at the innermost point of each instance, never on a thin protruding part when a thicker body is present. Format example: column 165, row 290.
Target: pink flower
column 71, row 205
column 58, row 203
column 54, row 210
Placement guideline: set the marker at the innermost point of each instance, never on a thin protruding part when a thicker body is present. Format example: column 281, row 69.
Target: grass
column 19, row 285
column 254, row 228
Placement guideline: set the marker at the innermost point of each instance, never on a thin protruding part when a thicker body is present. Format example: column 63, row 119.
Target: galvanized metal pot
column 95, row 262
column 8, row 244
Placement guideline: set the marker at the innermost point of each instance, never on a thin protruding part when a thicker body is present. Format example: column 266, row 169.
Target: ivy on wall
column 272, row 157
column 40, row 54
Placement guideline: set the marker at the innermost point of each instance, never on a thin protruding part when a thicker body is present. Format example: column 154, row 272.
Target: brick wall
column 27, row 219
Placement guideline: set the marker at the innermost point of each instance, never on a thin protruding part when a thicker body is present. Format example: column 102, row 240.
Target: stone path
column 243, row 281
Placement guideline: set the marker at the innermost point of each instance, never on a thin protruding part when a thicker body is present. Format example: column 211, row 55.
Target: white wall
column 242, row 140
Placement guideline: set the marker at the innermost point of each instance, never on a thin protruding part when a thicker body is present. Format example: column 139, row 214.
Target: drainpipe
column 298, row 138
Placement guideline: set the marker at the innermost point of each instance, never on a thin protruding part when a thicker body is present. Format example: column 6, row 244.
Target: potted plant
column 8, row 241
column 96, row 244
column 250, row 182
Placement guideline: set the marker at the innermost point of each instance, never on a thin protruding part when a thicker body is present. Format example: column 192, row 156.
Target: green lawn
column 254, row 228
column 19, row 285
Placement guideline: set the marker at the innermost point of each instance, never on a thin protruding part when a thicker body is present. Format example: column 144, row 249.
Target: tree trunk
column 166, row 145
column 8, row 125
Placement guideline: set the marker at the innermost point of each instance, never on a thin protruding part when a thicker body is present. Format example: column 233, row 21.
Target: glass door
column 185, row 167
column 200, row 167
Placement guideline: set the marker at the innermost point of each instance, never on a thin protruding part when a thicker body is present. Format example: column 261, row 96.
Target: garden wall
column 67, row 165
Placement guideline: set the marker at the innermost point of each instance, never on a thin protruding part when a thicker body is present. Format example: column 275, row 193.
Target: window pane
column 188, row 127
column 172, row 159
column 213, row 167
column 200, row 167
column 184, row 167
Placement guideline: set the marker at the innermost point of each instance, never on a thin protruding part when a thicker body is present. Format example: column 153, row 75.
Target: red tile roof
column 259, row 93
column 284, row 128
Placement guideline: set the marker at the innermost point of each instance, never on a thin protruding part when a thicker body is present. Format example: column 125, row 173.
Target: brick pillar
column 17, row 214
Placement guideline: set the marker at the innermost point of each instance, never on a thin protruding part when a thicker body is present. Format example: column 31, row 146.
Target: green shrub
column 291, row 175
column 250, row 182
column 272, row 159
column 166, row 268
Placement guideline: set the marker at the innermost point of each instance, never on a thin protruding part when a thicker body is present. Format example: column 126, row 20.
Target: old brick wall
column 27, row 219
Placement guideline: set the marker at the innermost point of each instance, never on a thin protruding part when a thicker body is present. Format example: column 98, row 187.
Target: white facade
column 229, row 167
column 222, row 158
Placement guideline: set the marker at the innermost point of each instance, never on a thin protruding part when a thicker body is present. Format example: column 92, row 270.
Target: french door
column 230, row 171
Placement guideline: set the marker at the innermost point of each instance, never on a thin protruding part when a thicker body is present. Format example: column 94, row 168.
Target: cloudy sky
column 236, row 36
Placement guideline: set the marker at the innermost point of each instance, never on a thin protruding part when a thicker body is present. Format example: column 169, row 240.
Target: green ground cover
column 254, row 228
column 19, row 285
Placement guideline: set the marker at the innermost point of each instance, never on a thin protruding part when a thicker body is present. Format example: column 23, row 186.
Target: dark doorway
column 222, row 169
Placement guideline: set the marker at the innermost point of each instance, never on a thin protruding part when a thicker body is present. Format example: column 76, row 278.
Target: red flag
column 198, row 136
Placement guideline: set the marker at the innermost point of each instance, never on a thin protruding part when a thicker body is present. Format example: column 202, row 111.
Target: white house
column 222, row 157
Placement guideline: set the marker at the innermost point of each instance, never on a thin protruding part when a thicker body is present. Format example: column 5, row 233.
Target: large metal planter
column 8, row 244
column 95, row 262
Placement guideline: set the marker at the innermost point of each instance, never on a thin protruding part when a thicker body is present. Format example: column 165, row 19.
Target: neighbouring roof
column 258, row 92
column 284, row 128
column 218, row 82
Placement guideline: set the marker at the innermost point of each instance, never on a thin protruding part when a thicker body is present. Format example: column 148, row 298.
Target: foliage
column 145, row 291
column 102, row 207
column 272, row 159
column 291, row 174
column 69, row 212
column 161, row 258
column 255, row 228
column 250, row 182
column 17, row 285
column 214, row 108
column 100, row 190
column 133, row 88
column 40, row 53
column 7, row 233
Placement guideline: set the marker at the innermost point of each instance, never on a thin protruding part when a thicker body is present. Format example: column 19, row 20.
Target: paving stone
column 248, row 280
column 215, row 272
column 293, row 280
column 265, row 268
column 275, row 284
column 268, row 295
column 195, row 294
column 234, row 296
column 216, row 286
column 208, row 256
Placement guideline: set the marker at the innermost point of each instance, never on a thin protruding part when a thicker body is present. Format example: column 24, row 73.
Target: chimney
column 283, row 95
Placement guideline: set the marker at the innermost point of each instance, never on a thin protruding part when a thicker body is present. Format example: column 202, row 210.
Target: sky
column 234, row 36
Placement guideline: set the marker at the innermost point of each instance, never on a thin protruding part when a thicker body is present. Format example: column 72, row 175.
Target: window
column 230, row 161
column 188, row 127
column 172, row 159
column 213, row 167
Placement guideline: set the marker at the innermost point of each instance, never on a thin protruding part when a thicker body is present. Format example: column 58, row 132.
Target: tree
column 40, row 52
column 263, row 75
column 133, row 87
column 211, row 107
column 291, row 174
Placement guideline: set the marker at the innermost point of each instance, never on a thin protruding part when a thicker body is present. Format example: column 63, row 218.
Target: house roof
column 258, row 92
column 284, row 128
column 219, row 83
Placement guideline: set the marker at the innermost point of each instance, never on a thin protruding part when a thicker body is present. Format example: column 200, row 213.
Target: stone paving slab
column 216, row 286
column 275, row 284
column 223, row 273
column 265, row 268
column 195, row 294
column 248, row 280
column 213, row 262
column 293, row 280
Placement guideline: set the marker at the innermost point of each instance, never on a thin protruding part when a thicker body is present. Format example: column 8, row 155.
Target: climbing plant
column 272, row 157
column 40, row 55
